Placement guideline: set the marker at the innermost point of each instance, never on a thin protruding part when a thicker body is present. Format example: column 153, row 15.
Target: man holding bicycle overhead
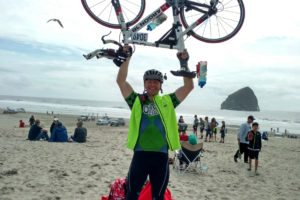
column 153, row 128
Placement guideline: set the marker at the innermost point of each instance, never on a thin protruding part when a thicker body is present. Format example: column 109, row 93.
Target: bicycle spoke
column 133, row 3
column 218, row 26
column 226, row 23
column 229, row 19
column 238, row 13
column 111, row 8
column 104, row 9
column 125, row 8
column 97, row 4
column 223, row 27
column 227, row 3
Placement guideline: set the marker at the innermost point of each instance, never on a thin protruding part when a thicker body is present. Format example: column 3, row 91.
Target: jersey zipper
column 163, row 121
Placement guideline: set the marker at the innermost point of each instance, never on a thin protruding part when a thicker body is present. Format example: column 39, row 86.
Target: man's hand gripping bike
column 211, row 21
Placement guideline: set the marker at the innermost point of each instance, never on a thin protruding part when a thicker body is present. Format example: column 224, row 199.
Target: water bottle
column 201, row 73
column 157, row 21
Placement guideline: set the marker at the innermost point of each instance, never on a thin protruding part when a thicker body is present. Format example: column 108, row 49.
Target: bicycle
column 211, row 21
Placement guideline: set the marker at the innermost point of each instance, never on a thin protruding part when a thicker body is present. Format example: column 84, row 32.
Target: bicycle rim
column 102, row 11
column 219, row 27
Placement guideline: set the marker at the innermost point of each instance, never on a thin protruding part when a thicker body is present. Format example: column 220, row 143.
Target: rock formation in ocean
column 243, row 100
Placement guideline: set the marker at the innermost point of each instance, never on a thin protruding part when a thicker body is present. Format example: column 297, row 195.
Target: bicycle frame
column 173, row 39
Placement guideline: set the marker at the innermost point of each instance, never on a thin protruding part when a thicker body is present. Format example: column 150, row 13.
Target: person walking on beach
column 241, row 138
column 222, row 131
column 254, row 138
column 31, row 120
column 201, row 124
column 153, row 128
column 195, row 125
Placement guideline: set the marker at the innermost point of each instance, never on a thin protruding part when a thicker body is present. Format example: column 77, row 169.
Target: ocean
column 278, row 120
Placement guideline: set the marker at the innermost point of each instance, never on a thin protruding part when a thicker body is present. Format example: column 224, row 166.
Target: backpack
column 117, row 190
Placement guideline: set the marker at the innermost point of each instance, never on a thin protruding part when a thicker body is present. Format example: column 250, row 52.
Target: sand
column 42, row 170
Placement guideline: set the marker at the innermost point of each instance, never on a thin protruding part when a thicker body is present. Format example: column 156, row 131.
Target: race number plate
column 139, row 37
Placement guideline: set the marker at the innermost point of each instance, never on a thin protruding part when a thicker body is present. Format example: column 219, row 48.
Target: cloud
column 42, row 59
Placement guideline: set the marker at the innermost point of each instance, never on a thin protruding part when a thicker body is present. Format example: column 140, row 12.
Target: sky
column 44, row 60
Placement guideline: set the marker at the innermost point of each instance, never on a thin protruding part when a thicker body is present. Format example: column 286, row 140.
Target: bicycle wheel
column 219, row 27
column 102, row 11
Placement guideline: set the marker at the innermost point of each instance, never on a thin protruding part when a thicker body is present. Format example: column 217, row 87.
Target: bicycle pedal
column 184, row 73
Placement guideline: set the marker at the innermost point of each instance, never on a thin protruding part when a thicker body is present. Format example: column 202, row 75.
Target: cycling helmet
column 153, row 74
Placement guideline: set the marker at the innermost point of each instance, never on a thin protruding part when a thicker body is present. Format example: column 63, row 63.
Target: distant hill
column 242, row 100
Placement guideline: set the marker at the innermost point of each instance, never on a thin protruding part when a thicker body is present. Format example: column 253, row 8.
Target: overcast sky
column 44, row 60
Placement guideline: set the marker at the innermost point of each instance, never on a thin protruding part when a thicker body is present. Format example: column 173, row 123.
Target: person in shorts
column 254, row 138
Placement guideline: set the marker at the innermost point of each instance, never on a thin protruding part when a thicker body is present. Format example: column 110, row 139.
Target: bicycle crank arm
column 184, row 73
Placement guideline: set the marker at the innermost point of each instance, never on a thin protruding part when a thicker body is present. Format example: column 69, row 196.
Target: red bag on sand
column 146, row 193
column 116, row 192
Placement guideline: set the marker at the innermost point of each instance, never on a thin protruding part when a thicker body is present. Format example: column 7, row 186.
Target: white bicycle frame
column 128, row 34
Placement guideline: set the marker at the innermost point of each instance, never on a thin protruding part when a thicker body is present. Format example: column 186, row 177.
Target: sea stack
column 242, row 100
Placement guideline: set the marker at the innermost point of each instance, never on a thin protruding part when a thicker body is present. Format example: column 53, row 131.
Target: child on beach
column 222, row 131
column 254, row 138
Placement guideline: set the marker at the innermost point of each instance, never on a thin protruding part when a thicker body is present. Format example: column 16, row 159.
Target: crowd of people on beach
column 58, row 132
column 249, row 138
column 210, row 128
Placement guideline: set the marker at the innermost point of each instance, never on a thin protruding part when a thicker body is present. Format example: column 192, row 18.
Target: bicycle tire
column 216, row 28
column 102, row 11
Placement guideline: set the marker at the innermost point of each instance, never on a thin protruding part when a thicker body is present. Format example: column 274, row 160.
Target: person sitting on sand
column 80, row 133
column 53, row 125
column 21, row 124
column 36, row 132
column 59, row 134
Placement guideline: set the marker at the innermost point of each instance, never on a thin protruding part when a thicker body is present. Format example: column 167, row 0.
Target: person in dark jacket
column 31, row 120
column 254, row 138
column 59, row 133
column 36, row 132
column 80, row 133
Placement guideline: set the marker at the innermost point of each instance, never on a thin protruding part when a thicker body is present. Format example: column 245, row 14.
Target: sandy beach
column 42, row 170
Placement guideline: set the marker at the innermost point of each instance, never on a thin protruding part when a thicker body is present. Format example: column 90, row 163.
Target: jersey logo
column 150, row 110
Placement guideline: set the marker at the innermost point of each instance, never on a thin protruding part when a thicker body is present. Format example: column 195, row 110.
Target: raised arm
column 188, row 84
column 124, row 86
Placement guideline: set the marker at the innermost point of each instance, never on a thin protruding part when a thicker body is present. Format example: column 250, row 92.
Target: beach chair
column 190, row 155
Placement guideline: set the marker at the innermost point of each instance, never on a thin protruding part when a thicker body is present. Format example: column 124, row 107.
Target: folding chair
column 190, row 155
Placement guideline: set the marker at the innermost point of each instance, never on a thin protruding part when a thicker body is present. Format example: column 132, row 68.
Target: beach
column 41, row 170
